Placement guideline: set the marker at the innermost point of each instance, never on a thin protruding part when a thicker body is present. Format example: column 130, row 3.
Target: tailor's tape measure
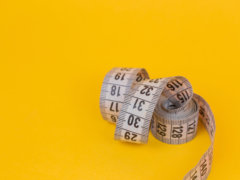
column 167, row 106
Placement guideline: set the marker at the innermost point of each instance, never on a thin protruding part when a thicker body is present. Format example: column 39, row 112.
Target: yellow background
column 54, row 55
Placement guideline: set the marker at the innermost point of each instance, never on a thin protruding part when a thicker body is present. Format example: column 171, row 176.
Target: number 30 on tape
column 167, row 106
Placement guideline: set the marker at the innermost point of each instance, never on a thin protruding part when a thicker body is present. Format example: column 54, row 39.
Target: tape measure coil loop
column 129, row 98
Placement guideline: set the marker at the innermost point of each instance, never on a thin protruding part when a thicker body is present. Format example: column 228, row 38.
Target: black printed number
column 114, row 107
column 120, row 76
column 194, row 176
column 203, row 167
column 146, row 90
column 130, row 136
column 114, row 118
column 115, row 90
column 183, row 96
column 191, row 128
column 161, row 129
column 139, row 77
column 138, row 104
column 174, row 85
column 133, row 121
column 177, row 132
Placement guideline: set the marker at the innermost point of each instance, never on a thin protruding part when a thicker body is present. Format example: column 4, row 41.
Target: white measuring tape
column 134, row 102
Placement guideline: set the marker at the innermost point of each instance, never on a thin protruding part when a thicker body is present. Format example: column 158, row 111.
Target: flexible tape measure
column 167, row 106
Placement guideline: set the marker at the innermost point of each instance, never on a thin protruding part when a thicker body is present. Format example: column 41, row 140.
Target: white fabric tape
column 166, row 106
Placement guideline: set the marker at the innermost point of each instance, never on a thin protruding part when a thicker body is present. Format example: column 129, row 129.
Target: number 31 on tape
column 166, row 106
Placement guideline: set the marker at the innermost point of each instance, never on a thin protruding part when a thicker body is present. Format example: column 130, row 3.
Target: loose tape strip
column 134, row 102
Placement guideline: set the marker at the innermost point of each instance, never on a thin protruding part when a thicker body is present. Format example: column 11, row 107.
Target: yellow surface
column 54, row 55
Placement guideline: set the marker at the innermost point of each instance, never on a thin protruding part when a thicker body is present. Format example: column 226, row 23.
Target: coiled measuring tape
column 167, row 106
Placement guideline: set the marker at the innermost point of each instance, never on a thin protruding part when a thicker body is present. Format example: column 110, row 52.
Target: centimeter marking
column 137, row 109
